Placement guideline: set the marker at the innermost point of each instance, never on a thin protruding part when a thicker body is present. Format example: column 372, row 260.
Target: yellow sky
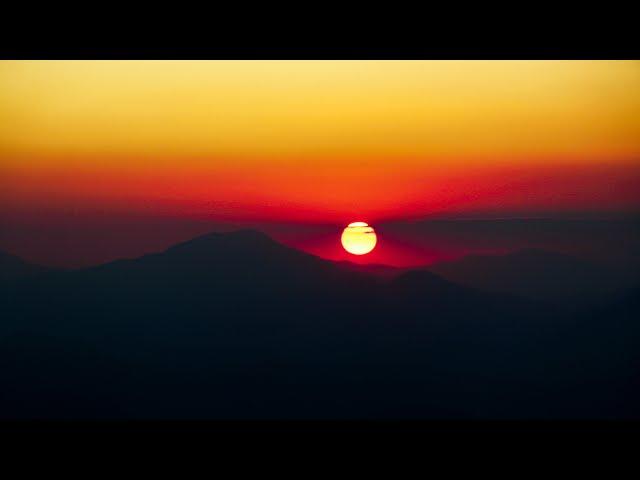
column 152, row 112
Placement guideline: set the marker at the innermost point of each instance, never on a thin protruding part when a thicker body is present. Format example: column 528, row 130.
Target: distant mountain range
column 613, row 241
column 535, row 274
column 236, row 325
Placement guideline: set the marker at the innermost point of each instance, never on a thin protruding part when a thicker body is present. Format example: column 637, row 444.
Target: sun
column 358, row 238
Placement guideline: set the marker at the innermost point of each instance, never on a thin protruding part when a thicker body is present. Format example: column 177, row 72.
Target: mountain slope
column 13, row 268
column 532, row 273
column 238, row 326
column 384, row 272
column 240, row 281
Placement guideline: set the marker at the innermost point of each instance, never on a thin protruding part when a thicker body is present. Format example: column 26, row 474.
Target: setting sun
column 358, row 238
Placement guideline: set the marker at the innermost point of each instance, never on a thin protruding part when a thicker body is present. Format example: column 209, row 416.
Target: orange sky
column 319, row 141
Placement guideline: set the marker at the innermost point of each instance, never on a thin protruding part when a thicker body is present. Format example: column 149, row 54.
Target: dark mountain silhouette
column 13, row 268
column 236, row 325
column 535, row 274
column 613, row 241
column 386, row 272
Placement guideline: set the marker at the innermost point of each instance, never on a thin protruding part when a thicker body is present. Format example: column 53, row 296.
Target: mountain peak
column 244, row 237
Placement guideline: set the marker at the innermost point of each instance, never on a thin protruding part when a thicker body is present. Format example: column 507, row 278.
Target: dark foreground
column 236, row 326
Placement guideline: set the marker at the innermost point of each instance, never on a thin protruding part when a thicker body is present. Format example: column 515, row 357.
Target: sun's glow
column 358, row 238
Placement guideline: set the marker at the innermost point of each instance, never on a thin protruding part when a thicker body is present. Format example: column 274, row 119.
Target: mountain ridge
column 534, row 273
column 240, row 326
column 13, row 267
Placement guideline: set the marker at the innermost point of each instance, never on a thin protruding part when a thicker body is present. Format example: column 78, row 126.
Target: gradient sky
column 317, row 141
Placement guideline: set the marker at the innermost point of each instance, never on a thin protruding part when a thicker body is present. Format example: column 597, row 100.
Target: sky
column 312, row 142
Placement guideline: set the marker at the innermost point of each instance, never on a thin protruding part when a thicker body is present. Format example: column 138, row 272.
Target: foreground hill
column 236, row 325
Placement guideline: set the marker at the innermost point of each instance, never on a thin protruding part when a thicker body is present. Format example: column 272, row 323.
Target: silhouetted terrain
column 14, row 268
column 381, row 271
column 236, row 325
column 535, row 274
column 614, row 242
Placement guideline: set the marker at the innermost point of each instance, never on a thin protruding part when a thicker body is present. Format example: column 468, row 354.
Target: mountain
column 532, row 273
column 614, row 241
column 14, row 268
column 242, row 279
column 236, row 325
column 385, row 272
